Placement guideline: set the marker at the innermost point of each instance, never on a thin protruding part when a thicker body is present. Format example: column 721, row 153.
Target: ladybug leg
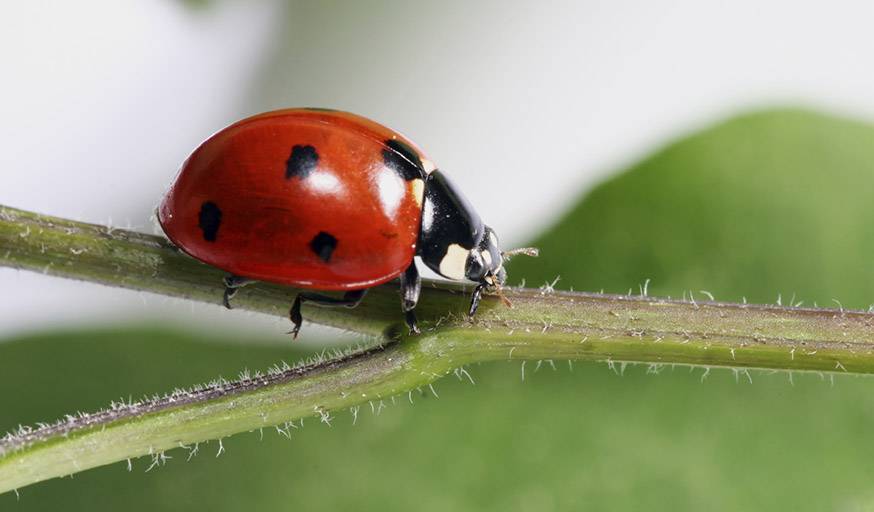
column 411, row 286
column 349, row 300
column 475, row 298
column 232, row 283
column 294, row 315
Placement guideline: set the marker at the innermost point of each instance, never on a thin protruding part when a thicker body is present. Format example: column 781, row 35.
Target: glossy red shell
column 269, row 226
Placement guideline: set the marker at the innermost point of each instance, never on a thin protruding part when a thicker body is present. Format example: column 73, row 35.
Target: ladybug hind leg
column 349, row 300
column 232, row 284
column 411, row 286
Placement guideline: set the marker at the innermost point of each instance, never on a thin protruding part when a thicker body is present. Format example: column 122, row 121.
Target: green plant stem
column 541, row 325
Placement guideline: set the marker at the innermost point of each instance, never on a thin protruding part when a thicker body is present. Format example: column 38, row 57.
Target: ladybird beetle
column 326, row 200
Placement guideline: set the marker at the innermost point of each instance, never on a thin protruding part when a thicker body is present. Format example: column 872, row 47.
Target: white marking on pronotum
column 452, row 264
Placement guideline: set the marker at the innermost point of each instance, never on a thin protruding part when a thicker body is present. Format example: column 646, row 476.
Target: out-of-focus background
column 711, row 147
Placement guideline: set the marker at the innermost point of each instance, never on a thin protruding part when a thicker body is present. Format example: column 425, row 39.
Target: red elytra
column 276, row 196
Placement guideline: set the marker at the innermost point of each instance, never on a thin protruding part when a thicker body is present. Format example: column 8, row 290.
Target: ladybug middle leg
column 349, row 300
column 411, row 286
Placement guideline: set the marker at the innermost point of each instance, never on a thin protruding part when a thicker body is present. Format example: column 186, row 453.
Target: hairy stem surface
column 542, row 324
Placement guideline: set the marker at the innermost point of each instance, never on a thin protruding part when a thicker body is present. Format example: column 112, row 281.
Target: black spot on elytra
column 302, row 162
column 403, row 159
column 323, row 245
column 209, row 220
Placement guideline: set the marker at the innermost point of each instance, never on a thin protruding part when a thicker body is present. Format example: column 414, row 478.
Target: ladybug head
column 485, row 262
column 453, row 240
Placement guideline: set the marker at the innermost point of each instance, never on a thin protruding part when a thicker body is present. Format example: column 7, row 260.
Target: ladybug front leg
column 411, row 286
column 475, row 298
column 232, row 284
column 349, row 300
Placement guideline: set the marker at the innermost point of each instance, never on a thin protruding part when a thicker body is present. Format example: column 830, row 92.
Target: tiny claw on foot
column 410, row 317
column 295, row 330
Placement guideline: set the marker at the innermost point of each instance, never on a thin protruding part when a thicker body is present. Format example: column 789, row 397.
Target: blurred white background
column 525, row 104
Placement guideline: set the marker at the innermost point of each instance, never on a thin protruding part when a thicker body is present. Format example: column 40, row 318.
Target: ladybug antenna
column 525, row 251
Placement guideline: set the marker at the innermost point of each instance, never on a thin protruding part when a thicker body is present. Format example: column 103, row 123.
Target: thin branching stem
column 542, row 325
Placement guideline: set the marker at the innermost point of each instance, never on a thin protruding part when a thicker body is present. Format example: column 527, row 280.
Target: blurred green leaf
column 768, row 203
column 775, row 203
